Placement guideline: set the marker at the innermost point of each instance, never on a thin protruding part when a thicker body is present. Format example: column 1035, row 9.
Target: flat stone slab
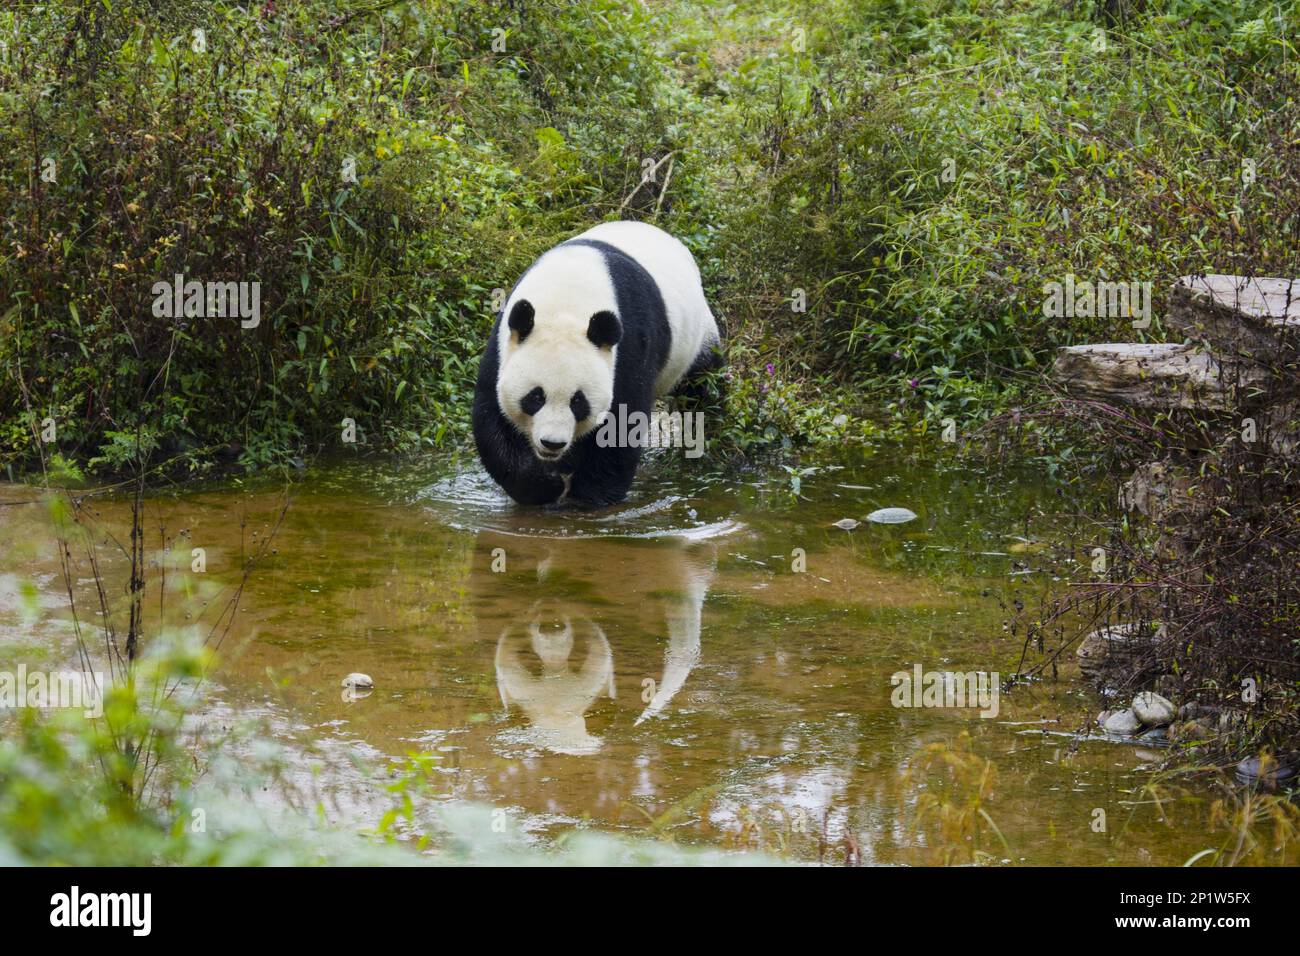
column 1152, row 376
column 1245, row 316
column 1270, row 300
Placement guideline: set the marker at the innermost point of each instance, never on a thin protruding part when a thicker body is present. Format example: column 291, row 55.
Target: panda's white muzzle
column 552, row 433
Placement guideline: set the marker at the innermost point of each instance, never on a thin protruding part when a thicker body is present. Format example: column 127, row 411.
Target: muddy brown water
column 661, row 669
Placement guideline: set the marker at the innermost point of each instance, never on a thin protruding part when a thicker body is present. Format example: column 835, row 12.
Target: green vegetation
column 56, row 809
column 917, row 170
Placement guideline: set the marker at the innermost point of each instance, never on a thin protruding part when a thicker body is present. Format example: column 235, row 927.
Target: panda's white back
column 673, row 269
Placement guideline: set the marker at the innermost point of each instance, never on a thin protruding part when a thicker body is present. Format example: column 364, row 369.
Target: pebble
column 891, row 516
column 358, row 681
column 848, row 524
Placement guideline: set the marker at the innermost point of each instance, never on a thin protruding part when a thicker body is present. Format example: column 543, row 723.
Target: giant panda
column 613, row 317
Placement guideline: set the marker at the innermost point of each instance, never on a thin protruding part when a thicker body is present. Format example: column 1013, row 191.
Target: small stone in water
column 848, row 524
column 358, row 681
column 891, row 516
column 1122, row 722
column 1267, row 771
column 1153, row 710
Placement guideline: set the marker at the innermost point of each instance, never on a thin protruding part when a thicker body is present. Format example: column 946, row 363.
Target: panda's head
column 557, row 375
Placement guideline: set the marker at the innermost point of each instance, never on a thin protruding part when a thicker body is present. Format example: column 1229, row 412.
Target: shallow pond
column 708, row 663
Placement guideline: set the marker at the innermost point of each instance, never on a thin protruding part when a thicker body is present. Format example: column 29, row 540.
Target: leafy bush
column 229, row 156
column 877, row 194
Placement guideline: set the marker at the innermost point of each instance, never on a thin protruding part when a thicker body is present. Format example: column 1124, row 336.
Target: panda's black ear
column 604, row 329
column 521, row 319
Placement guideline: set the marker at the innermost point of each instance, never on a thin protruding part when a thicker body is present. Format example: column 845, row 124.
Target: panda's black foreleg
column 509, row 460
column 533, row 486
column 601, row 476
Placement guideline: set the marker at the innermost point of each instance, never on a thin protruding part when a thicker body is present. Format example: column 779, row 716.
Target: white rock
column 1153, row 710
column 891, row 516
column 1122, row 722
column 358, row 681
column 848, row 524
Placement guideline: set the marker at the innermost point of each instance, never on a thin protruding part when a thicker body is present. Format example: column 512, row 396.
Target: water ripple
column 469, row 500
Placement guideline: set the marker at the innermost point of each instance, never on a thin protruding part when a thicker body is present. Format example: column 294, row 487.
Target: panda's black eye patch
column 579, row 405
column 532, row 403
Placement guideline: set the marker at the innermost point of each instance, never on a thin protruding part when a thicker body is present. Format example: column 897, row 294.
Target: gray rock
column 1156, row 735
column 356, row 681
column 847, row 524
column 1116, row 648
column 1122, row 722
column 1157, row 490
column 1153, row 710
column 891, row 516
column 1268, row 771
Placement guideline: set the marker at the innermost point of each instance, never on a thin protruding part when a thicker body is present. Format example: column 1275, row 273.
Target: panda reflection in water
column 607, row 322
column 556, row 650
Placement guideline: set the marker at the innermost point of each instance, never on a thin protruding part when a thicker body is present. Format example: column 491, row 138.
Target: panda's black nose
column 553, row 445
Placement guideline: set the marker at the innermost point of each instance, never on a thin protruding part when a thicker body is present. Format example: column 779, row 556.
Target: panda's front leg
column 602, row 476
column 524, row 478
column 536, row 487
